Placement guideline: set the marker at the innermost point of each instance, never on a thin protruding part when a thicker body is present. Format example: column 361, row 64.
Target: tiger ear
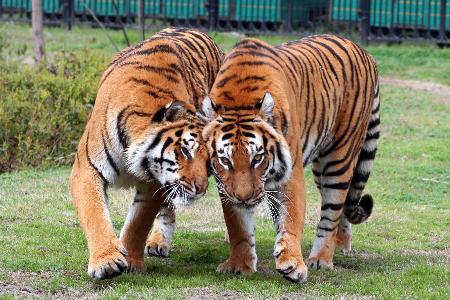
column 209, row 109
column 266, row 106
column 170, row 112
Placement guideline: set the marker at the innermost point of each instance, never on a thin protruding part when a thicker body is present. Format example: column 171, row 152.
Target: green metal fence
column 371, row 19
column 418, row 14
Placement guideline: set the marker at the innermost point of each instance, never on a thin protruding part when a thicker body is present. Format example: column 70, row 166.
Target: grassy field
column 401, row 252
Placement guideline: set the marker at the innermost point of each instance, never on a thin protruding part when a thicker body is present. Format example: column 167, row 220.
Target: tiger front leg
column 158, row 243
column 289, row 226
column 107, row 255
column 240, row 226
column 147, row 202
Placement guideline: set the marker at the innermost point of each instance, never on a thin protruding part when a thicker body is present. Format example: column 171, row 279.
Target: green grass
column 401, row 252
column 419, row 62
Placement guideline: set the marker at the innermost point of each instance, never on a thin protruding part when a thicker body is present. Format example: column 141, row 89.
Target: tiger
column 144, row 132
column 275, row 109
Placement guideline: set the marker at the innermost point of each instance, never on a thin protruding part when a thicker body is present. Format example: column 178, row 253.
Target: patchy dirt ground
column 440, row 91
column 22, row 284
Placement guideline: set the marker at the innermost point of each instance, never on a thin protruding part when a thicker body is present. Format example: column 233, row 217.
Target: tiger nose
column 245, row 197
column 200, row 186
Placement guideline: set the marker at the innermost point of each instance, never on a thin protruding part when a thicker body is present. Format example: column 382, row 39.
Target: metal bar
column 100, row 24
column 442, row 20
column 119, row 20
column 364, row 21
column 289, row 7
column 142, row 18
column 70, row 14
column 213, row 14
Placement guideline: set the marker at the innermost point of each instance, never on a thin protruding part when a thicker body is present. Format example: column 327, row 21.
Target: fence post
column 289, row 7
column 71, row 10
column 442, row 20
column 68, row 13
column 213, row 14
column 142, row 18
column 364, row 21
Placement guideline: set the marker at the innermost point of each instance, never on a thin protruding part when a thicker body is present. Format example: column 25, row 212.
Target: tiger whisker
column 173, row 190
column 273, row 210
column 169, row 188
column 284, row 195
column 160, row 188
column 274, row 199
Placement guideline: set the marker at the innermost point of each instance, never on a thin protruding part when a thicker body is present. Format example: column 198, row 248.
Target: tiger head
column 173, row 154
column 247, row 154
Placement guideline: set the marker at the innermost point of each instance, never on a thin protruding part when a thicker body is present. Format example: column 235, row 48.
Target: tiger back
column 143, row 131
column 272, row 111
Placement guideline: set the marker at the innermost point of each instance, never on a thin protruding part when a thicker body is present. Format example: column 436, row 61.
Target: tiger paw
column 235, row 267
column 157, row 249
column 108, row 263
column 345, row 244
column 320, row 263
column 290, row 266
column 136, row 265
column 343, row 237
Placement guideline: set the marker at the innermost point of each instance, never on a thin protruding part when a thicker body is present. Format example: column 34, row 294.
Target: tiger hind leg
column 358, row 207
column 344, row 235
column 332, row 176
column 159, row 241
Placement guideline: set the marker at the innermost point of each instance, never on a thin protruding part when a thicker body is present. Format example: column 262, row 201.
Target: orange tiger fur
column 275, row 109
column 144, row 132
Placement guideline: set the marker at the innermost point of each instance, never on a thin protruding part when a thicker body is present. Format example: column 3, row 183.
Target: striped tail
column 357, row 209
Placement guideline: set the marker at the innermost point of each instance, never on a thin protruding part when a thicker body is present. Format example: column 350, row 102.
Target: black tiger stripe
column 166, row 49
column 377, row 109
column 166, row 144
column 248, row 134
column 109, row 157
column 375, row 135
column 360, row 177
column 227, row 136
column 316, row 173
column 246, row 127
column 102, row 177
column 337, row 186
column 157, row 139
column 228, row 96
column 374, row 123
column 225, row 80
column 367, row 155
column 338, row 57
column 329, row 219
column 249, row 89
column 145, row 164
column 124, row 139
column 228, row 127
column 326, row 228
column 254, row 63
column 251, row 78
column 332, row 206
column 160, row 71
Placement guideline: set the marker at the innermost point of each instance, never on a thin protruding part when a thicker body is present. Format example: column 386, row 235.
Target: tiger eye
column 257, row 157
column 225, row 161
